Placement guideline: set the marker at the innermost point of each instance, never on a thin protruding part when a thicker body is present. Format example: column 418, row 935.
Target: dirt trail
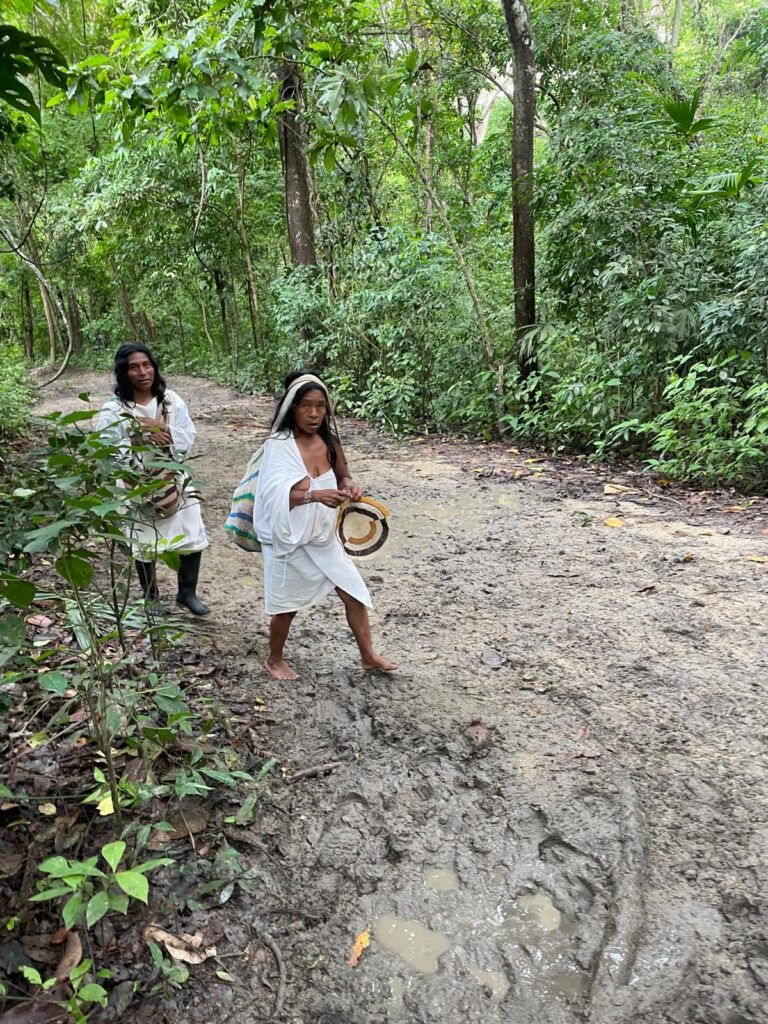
column 595, row 846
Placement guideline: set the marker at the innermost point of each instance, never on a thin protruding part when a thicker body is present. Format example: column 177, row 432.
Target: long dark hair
column 325, row 430
column 123, row 388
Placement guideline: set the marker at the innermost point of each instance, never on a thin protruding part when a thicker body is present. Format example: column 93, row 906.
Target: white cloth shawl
column 183, row 532
column 303, row 559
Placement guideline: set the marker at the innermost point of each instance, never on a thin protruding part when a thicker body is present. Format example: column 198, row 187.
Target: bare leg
column 357, row 617
column 279, row 626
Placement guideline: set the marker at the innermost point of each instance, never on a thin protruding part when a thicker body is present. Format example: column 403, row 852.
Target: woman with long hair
column 146, row 419
column 303, row 480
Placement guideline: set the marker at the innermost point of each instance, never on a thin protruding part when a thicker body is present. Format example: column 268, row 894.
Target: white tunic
column 184, row 531
column 303, row 559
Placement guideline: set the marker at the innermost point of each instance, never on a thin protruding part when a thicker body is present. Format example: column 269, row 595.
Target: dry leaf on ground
column 188, row 948
column 73, row 954
column 613, row 521
column 362, row 942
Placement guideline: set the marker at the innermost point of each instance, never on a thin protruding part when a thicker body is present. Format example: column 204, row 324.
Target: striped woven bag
column 239, row 522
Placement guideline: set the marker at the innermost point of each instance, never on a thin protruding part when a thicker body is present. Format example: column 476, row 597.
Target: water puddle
column 395, row 1003
column 547, row 937
column 415, row 944
column 441, row 879
column 496, row 981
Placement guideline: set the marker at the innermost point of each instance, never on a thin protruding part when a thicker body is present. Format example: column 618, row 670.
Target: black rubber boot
column 146, row 573
column 189, row 570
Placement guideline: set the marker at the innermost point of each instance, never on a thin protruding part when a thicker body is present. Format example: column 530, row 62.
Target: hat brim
column 363, row 528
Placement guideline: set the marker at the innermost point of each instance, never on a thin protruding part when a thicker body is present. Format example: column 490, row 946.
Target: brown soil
column 578, row 734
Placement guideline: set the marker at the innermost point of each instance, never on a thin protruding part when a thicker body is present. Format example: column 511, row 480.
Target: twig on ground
column 265, row 938
column 318, row 769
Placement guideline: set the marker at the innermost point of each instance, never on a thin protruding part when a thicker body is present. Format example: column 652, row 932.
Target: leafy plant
column 92, row 892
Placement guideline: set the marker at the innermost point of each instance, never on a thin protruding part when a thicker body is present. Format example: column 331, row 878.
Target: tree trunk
column 130, row 316
column 524, row 258
column 27, row 319
column 45, row 295
column 150, row 332
column 250, row 277
column 75, row 323
column 298, row 209
column 676, row 25
column 219, row 281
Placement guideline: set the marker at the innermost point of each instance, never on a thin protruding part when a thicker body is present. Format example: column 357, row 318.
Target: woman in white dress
column 143, row 404
column 303, row 480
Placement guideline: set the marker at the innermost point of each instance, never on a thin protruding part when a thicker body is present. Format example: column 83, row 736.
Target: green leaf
column 113, row 853
column 118, row 902
column 19, row 592
column 76, row 571
column 93, row 993
column 50, row 894
column 72, row 910
column 150, row 865
column 31, row 974
column 134, row 884
column 56, row 866
column 329, row 158
column 97, row 907
column 53, row 682
column 12, row 631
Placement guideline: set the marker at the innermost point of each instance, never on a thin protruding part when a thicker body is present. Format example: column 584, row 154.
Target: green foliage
column 14, row 392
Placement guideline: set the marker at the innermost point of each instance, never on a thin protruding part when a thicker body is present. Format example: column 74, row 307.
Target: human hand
column 349, row 485
column 157, row 430
column 331, row 498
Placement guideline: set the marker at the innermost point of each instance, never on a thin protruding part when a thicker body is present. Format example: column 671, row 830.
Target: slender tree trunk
column 298, row 209
column 220, row 284
column 150, row 331
column 676, row 25
column 27, row 318
column 73, row 311
column 45, row 295
column 250, row 277
column 130, row 315
column 524, row 258
column 182, row 340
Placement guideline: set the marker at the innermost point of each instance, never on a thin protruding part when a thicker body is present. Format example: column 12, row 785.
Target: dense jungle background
column 252, row 186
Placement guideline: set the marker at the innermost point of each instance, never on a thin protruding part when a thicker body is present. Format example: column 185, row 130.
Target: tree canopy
column 254, row 186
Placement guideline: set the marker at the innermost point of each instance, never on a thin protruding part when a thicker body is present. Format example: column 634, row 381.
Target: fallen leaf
column 58, row 937
column 757, row 558
column 224, row 975
column 42, row 1011
column 362, row 942
column 187, row 948
column 47, row 809
column 613, row 521
column 735, row 508
column 10, row 862
column 73, row 954
column 39, row 949
column 40, row 621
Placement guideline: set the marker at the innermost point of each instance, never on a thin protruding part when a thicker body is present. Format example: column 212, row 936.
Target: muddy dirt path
column 557, row 811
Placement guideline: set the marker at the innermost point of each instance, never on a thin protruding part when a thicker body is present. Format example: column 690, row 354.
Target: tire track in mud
column 601, row 849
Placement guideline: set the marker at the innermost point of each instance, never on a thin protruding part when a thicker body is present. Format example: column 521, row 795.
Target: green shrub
column 14, row 392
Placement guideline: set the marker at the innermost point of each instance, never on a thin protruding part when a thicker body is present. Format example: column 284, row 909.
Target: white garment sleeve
column 183, row 431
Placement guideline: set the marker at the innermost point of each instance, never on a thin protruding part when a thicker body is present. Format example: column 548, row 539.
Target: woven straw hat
column 362, row 528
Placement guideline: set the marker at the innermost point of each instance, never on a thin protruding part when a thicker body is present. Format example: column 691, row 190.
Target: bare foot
column 378, row 664
column 279, row 669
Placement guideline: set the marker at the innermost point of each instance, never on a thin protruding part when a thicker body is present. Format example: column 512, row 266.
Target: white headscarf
column 290, row 394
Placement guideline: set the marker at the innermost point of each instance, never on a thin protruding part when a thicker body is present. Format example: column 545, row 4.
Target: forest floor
column 557, row 811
